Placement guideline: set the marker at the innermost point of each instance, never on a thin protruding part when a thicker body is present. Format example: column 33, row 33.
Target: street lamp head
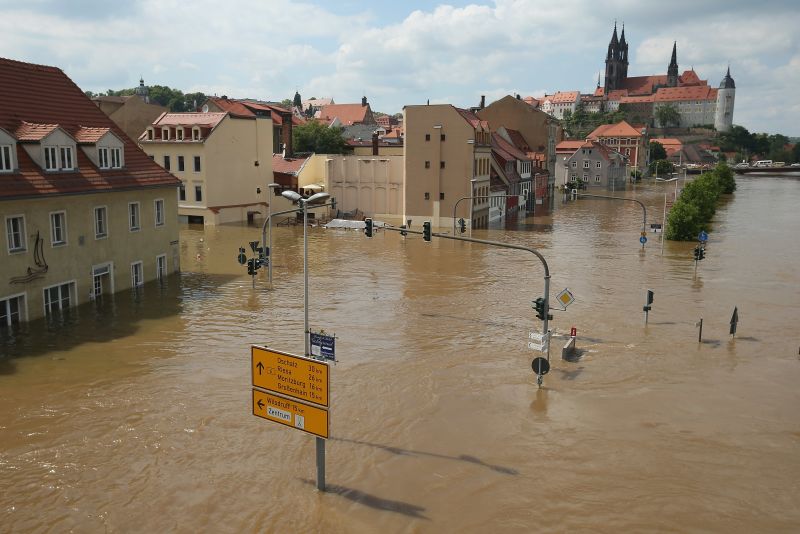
column 273, row 186
column 292, row 195
column 318, row 197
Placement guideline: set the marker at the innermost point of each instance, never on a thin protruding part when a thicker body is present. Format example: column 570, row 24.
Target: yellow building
column 85, row 212
column 131, row 113
column 224, row 163
column 447, row 157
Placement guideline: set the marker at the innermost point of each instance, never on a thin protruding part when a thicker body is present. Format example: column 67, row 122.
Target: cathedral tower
column 672, row 70
column 616, row 61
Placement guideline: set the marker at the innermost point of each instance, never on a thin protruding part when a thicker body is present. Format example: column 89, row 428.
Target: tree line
column 697, row 203
column 173, row 99
column 776, row 147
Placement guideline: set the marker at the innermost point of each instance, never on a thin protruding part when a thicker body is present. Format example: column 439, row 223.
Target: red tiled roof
column 208, row 120
column 90, row 135
column 692, row 92
column 348, row 114
column 643, row 85
column 28, row 131
column 641, row 99
column 690, row 77
column 248, row 108
column 472, row 119
column 563, row 97
column 287, row 165
column 506, row 150
column 621, row 129
column 602, row 149
column 569, row 146
column 518, row 140
column 40, row 94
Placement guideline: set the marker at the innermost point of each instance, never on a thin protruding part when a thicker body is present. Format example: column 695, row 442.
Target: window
column 166, row 162
column 149, row 134
column 165, row 134
column 11, row 309
column 182, row 192
column 427, row 196
column 585, row 164
column 59, row 297
column 427, row 164
column 161, row 266
column 137, row 275
column 133, row 216
column 441, row 196
column 5, row 158
column 159, row 212
column 102, row 157
column 196, row 134
column 100, row 222
column 427, row 137
column 197, row 164
column 442, row 138
column 179, row 131
column 66, row 158
column 597, row 178
column 15, row 233
column 116, row 158
column 585, row 178
column 50, row 158
column 441, row 164
column 180, row 164
column 574, row 164
column 599, row 165
column 58, row 228
column 198, row 193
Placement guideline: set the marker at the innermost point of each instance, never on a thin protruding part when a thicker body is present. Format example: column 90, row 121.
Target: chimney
column 483, row 101
column 519, row 97
column 363, row 101
column 375, row 143
column 286, row 133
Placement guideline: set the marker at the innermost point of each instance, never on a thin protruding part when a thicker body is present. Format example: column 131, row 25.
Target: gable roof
column 691, row 92
column 620, row 129
column 28, row 131
column 473, row 119
column 291, row 166
column 568, row 146
column 38, row 94
column 347, row 114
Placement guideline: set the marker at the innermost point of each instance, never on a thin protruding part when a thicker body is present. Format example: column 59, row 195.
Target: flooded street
column 135, row 415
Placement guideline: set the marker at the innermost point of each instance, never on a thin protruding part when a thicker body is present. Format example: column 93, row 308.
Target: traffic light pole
column 501, row 245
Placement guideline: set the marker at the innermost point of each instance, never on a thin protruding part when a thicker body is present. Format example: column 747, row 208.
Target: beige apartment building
column 223, row 162
column 85, row 212
column 447, row 157
column 131, row 113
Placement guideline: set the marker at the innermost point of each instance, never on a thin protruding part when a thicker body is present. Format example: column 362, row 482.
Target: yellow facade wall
column 74, row 260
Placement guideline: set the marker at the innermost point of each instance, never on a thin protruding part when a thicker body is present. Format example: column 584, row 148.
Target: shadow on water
column 406, row 452
column 112, row 317
column 378, row 503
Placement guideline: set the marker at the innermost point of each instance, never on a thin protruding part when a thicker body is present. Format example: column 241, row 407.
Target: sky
column 409, row 52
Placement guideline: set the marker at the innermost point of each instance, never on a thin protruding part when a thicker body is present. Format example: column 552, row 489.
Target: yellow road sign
column 294, row 376
column 305, row 417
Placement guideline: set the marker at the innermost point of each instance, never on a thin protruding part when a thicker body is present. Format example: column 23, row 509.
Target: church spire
column 672, row 70
column 614, row 39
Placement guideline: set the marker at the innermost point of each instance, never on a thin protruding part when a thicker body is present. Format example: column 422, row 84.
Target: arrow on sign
column 260, row 404
column 260, row 367
column 734, row 320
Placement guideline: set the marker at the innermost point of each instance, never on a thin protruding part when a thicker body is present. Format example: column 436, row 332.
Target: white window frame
column 102, row 157
column 586, row 164
column 104, row 210
column 599, row 165
column 50, row 158
column 150, row 134
column 22, row 309
column 134, row 216
column 72, row 289
column 66, row 156
column 597, row 178
column 161, row 266
column 116, row 158
column 158, row 211
column 179, row 134
column 6, row 158
column 54, row 241
column 585, row 178
column 574, row 164
column 195, row 134
column 23, row 238
column 137, row 274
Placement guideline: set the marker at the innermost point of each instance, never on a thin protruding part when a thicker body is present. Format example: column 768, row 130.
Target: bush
column 661, row 167
column 726, row 179
column 683, row 223
column 697, row 203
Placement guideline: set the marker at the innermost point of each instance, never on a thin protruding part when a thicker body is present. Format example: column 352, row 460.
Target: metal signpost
column 734, row 321
column 286, row 374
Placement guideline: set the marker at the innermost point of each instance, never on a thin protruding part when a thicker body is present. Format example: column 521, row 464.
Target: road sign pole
column 700, row 334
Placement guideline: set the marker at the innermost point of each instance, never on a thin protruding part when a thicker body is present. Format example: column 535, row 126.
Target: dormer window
column 66, row 158
column 6, row 164
column 116, row 158
column 102, row 156
column 196, row 134
column 165, row 134
column 179, row 131
column 50, row 158
column 150, row 134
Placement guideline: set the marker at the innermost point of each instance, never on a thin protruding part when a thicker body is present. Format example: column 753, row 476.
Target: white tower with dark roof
column 726, row 94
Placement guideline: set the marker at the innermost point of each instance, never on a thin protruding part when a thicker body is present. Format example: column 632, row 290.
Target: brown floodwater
column 133, row 415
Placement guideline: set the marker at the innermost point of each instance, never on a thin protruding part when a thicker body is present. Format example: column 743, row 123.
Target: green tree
column 661, row 167
column 317, row 137
column 286, row 103
column 657, row 151
column 796, row 153
column 726, row 179
column 683, row 223
column 668, row 115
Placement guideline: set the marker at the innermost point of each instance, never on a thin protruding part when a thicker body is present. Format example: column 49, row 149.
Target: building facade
column 625, row 139
column 222, row 162
column 596, row 166
column 85, row 212
column 131, row 113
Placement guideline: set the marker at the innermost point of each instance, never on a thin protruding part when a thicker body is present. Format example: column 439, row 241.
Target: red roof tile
column 208, row 120
column 28, row 131
column 287, row 165
column 695, row 92
column 40, row 94
column 621, row 129
column 348, row 114
column 569, row 146
column 90, row 135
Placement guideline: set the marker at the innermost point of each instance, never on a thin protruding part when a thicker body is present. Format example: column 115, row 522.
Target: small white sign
column 299, row 421
column 280, row 414
column 542, row 347
column 536, row 336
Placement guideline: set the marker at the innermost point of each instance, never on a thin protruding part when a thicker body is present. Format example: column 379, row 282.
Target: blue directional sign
column 703, row 237
column 323, row 345
column 643, row 240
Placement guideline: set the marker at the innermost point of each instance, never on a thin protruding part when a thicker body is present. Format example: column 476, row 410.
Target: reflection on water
column 132, row 413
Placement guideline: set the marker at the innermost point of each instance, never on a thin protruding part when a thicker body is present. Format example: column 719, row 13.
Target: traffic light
column 251, row 266
column 426, row 230
column 462, row 225
column 241, row 257
column 368, row 227
column 697, row 253
column 647, row 306
column 403, row 230
column 538, row 305
column 702, row 253
column 254, row 246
